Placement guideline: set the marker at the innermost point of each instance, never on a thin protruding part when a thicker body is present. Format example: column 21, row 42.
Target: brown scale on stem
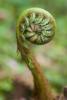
column 37, row 26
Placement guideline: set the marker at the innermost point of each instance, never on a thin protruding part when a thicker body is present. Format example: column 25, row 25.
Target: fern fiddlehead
column 37, row 26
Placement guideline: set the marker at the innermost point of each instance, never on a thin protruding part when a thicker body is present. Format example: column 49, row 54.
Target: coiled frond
column 36, row 25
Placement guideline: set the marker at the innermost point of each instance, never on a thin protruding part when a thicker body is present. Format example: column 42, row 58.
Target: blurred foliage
column 56, row 51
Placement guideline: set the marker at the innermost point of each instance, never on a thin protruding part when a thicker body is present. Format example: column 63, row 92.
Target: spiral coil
column 36, row 25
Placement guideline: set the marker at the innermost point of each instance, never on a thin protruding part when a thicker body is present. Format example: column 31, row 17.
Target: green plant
column 37, row 26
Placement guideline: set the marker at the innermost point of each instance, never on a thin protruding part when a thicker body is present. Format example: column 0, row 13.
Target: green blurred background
column 52, row 56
